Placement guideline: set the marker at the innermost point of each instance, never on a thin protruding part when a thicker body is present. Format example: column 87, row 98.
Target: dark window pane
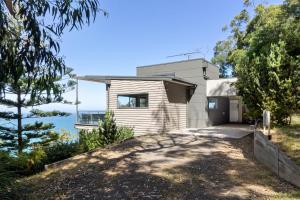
column 143, row 102
column 133, row 101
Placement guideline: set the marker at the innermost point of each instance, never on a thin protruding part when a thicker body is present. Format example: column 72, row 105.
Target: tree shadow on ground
column 161, row 167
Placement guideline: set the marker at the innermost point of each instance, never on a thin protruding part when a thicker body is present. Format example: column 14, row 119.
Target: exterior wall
column 221, row 87
column 224, row 88
column 241, row 105
column 190, row 70
column 220, row 115
column 165, row 111
column 175, row 106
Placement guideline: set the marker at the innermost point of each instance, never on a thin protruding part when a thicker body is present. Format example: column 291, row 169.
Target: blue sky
column 141, row 32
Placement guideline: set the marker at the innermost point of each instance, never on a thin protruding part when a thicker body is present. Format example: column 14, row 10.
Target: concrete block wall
column 277, row 161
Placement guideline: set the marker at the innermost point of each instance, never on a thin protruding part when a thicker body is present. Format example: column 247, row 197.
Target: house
column 168, row 96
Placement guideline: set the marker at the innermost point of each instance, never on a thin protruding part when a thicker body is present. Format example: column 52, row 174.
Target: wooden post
column 267, row 122
column 77, row 101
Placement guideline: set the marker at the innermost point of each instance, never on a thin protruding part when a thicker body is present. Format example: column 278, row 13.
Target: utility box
column 266, row 118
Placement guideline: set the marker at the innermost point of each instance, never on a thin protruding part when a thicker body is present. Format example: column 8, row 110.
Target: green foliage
column 33, row 72
column 266, row 59
column 90, row 139
column 60, row 151
column 107, row 133
column 221, row 54
column 63, row 148
column 124, row 133
column 14, row 167
column 30, row 33
column 26, row 136
column 7, row 179
column 108, row 130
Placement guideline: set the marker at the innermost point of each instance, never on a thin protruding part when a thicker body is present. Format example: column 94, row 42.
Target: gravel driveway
column 162, row 167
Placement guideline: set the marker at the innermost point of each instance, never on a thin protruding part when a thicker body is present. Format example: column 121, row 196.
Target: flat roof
column 107, row 79
column 180, row 61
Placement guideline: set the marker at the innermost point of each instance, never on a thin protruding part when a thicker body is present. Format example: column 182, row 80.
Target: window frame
column 132, row 95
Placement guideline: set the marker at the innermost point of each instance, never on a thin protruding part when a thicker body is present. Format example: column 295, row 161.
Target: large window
column 133, row 101
column 212, row 103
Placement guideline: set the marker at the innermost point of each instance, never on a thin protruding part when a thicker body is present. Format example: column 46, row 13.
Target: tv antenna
column 188, row 54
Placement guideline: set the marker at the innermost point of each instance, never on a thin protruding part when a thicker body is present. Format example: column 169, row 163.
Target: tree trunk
column 20, row 139
column 9, row 5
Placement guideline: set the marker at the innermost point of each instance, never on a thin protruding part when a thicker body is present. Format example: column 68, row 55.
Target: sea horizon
column 61, row 123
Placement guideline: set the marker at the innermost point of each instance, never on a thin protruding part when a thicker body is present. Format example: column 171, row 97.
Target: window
column 212, row 103
column 133, row 101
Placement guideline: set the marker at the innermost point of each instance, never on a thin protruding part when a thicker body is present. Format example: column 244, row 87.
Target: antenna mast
column 188, row 54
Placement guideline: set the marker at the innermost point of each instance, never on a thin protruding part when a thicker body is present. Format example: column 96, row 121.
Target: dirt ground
column 162, row 167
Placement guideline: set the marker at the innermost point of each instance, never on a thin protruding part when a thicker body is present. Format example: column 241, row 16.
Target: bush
column 90, row 139
column 108, row 130
column 24, row 163
column 124, row 133
column 6, row 178
column 107, row 133
column 60, row 151
column 14, row 167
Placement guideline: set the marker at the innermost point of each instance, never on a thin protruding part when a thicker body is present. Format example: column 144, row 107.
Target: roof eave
column 107, row 79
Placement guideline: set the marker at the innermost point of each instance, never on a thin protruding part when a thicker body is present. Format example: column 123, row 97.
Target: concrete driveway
column 234, row 131
column 169, row 166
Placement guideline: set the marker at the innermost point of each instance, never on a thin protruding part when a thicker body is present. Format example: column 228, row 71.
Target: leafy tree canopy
column 30, row 32
column 32, row 71
column 266, row 59
column 221, row 53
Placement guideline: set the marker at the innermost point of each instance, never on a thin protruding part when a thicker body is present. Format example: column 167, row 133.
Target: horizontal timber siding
column 143, row 120
column 166, row 110
column 190, row 70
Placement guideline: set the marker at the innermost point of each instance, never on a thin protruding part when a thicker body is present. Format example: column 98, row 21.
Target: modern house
column 169, row 96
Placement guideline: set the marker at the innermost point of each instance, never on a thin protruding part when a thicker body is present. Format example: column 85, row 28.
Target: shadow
column 220, row 114
column 171, row 111
column 223, row 88
column 161, row 167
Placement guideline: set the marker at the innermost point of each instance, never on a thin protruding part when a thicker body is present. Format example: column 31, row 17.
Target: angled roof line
column 180, row 61
column 107, row 79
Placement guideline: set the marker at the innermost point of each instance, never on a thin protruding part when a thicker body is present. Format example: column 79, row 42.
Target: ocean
column 66, row 123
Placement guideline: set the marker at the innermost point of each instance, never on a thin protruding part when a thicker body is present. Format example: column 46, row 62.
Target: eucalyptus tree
column 43, row 22
column 32, row 70
column 220, row 58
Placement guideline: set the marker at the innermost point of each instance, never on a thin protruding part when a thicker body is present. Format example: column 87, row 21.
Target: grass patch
column 288, row 138
column 287, row 196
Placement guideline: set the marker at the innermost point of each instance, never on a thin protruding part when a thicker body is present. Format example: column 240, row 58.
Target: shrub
column 60, row 151
column 124, row 133
column 90, row 139
column 108, row 130
column 35, row 159
column 6, row 178
column 23, row 164
column 107, row 133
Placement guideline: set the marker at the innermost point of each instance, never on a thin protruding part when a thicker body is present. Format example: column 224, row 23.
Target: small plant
column 107, row 133
column 108, row 130
column 124, row 133
column 60, row 151
column 89, row 139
